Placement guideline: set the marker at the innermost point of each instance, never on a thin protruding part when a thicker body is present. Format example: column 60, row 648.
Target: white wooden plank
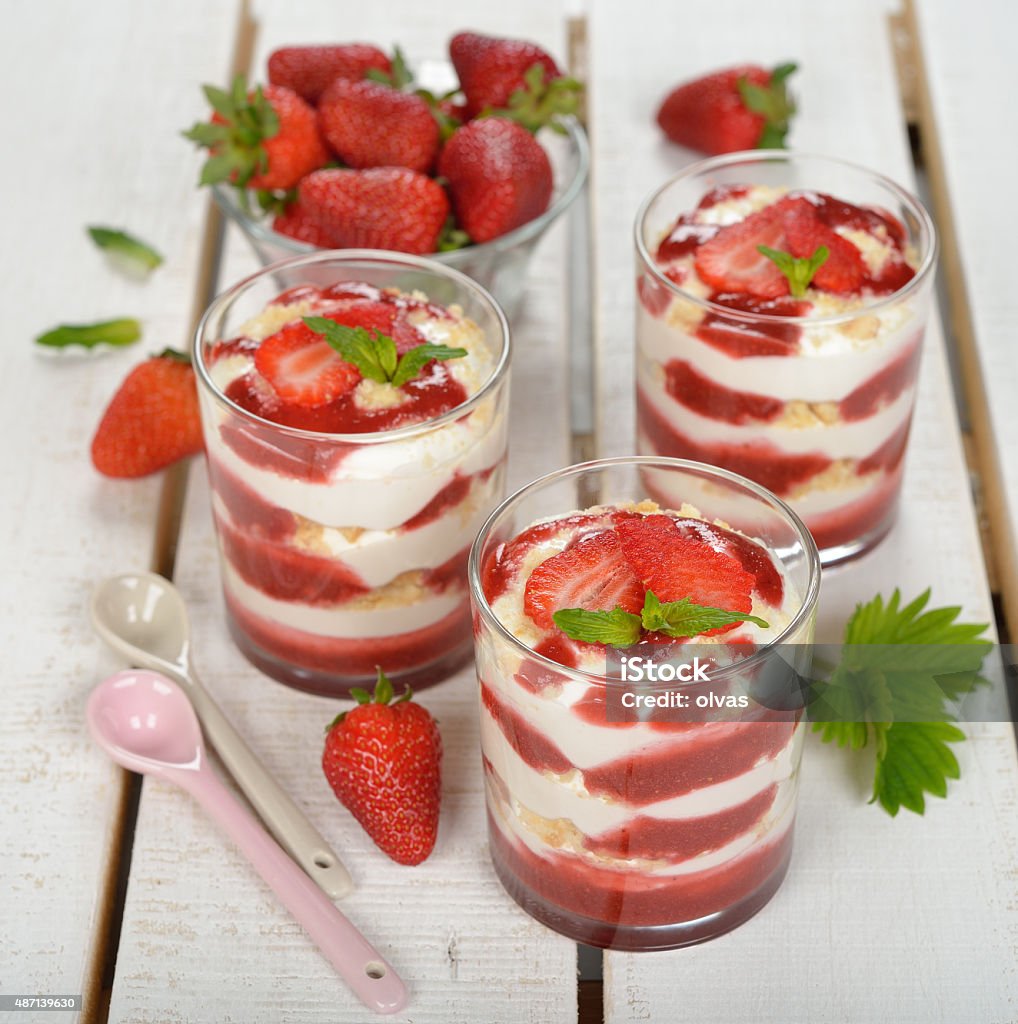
column 211, row 938
column 968, row 69
column 870, row 924
column 90, row 125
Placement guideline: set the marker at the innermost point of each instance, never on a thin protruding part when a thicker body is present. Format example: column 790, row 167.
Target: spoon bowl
column 145, row 723
column 141, row 611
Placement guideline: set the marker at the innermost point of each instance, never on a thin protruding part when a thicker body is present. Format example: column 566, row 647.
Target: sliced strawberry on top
column 592, row 574
column 303, row 368
column 731, row 262
column 675, row 565
column 844, row 269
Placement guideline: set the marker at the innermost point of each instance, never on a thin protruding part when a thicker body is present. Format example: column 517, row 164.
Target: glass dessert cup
column 340, row 552
column 631, row 833
column 500, row 265
column 815, row 407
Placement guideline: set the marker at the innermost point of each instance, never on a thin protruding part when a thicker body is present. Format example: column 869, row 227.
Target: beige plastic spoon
column 146, row 723
column 143, row 617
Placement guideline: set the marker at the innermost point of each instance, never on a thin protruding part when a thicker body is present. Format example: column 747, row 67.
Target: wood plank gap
column 101, row 967
column 999, row 552
column 582, row 354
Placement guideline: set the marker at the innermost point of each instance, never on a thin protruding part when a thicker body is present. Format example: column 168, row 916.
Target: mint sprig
column 374, row 353
column 620, row 628
column 120, row 245
column 125, row 331
column 799, row 270
column 897, row 699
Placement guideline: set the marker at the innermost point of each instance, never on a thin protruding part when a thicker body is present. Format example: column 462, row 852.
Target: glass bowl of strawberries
column 468, row 163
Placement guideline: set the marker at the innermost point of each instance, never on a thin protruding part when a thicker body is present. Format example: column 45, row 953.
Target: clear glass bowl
column 500, row 265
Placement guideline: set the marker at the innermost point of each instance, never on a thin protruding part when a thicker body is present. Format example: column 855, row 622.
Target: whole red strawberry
column 499, row 177
column 152, row 420
column 383, row 761
column 379, row 208
column 746, row 107
column 296, row 221
column 266, row 139
column 491, row 69
column 513, row 78
column 372, row 125
column 310, row 70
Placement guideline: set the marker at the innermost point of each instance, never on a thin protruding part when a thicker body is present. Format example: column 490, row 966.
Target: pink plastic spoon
column 146, row 724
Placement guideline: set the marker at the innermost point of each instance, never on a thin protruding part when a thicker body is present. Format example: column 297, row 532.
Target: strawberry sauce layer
column 313, row 654
column 621, row 899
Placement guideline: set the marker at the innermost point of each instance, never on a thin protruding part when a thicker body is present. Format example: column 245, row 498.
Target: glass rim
column 378, row 256
column 455, row 258
column 922, row 274
column 809, row 598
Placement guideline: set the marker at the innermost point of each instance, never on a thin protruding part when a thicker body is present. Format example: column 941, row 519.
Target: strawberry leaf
column 540, row 102
column 901, row 668
column 119, row 333
column 773, row 103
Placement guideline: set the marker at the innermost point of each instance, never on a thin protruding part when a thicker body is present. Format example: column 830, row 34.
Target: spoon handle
column 282, row 816
column 358, row 963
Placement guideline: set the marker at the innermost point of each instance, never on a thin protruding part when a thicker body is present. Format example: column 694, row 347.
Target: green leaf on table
column 125, row 331
column 901, row 669
column 126, row 248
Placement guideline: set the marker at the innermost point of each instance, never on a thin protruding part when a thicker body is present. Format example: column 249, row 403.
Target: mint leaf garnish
column 123, row 246
column 799, row 271
column 621, row 628
column 374, row 353
column 617, row 627
column 121, row 332
column 414, row 360
column 901, row 668
column 684, row 618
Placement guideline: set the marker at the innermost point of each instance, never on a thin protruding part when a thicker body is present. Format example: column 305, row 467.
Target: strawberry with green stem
column 745, row 107
column 512, row 78
column 266, row 138
column 383, row 761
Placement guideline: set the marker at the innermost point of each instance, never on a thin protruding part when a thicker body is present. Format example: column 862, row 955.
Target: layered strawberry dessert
column 655, row 831
column 778, row 336
column 356, row 440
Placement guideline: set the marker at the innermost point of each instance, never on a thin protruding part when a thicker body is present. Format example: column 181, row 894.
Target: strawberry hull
column 343, row 502
column 637, row 832
column 809, row 395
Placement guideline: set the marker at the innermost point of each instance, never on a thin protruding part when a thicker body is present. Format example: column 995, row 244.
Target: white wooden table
column 912, row 919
